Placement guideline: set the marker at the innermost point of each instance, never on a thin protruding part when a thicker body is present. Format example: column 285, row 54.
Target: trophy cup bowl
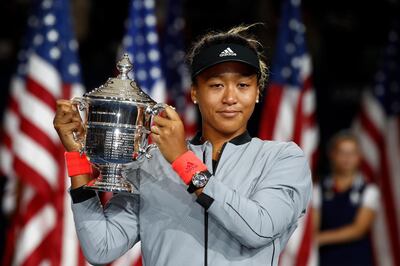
column 117, row 117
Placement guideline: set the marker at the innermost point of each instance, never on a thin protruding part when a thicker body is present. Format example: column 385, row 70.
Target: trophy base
column 110, row 180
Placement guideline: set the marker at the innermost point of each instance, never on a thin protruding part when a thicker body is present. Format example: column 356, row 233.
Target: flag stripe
column 306, row 242
column 270, row 111
column 12, row 120
column 28, row 193
column 393, row 155
column 70, row 250
column 36, row 158
column 390, row 209
column 382, row 247
column 304, row 112
column 41, row 93
column 371, row 130
column 308, row 142
column 372, row 109
column 6, row 159
column 36, row 256
column 308, row 101
column 298, row 119
column 30, row 176
column 7, row 140
column 11, row 124
column 45, row 75
column 41, row 138
column 34, row 205
column 30, row 238
column 370, row 154
column 284, row 124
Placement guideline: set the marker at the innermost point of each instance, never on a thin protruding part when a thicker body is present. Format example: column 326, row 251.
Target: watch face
column 199, row 180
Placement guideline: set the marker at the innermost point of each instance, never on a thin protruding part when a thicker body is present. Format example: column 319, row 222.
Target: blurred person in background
column 345, row 206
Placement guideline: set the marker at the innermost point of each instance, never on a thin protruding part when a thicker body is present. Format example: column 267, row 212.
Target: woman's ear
column 193, row 94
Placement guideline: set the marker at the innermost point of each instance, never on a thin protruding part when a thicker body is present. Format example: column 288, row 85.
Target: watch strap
column 191, row 188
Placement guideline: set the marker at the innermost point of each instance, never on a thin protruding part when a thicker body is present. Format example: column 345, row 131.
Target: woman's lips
column 228, row 113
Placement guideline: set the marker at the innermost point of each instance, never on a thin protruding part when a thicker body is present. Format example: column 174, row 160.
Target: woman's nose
column 230, row 96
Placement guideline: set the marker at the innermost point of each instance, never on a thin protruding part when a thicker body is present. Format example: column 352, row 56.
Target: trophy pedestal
column 110, row 180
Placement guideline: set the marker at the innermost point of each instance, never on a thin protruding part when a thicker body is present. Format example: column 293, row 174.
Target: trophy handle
column 153, row 110
column 156, row 109
column 81, row 105
column 146, row 151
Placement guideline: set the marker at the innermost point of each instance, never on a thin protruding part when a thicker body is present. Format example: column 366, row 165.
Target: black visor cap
column 225, row 52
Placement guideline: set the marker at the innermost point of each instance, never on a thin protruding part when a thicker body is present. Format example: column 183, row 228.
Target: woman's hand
column 67, row 121
column 169, row 134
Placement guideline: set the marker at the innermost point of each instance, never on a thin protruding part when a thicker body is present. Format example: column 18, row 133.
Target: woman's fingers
column 67, row 122
column 155, row 138
column 155, row 130
column 161, row 121
column 172, row 114
column 69, row 128
column 66, row 112
column 169, row 134
column 170, row 121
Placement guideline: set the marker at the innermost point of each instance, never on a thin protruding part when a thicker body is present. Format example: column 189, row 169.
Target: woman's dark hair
column 237, row 35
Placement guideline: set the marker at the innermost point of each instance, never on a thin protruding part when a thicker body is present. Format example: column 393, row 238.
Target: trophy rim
column 131, row 101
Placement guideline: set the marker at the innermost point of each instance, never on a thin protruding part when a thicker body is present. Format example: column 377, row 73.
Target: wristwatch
column 199, row 180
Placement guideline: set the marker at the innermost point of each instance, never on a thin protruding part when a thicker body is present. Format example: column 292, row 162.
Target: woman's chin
column 228, row 130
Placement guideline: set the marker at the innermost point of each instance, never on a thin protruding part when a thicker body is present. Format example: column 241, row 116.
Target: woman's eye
column 216, row 85
column 243, row 85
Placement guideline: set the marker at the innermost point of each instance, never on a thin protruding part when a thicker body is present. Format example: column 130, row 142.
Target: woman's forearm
column 361, row 225
column 79, row 180
column 341, row 235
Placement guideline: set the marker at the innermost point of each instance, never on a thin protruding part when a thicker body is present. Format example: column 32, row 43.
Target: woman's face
column 226, row 94
column 345, row 156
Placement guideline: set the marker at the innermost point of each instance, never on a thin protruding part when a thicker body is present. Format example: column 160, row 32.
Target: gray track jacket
column 247, row 212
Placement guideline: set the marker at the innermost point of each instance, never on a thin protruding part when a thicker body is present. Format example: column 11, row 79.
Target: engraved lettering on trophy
column 104, row 113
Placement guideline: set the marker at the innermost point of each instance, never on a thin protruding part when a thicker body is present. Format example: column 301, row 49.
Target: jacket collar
column 238, row 140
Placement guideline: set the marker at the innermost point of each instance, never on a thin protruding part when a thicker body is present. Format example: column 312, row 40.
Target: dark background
column 344, row 38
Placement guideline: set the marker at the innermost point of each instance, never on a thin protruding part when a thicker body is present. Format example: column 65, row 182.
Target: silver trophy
column 117, row 117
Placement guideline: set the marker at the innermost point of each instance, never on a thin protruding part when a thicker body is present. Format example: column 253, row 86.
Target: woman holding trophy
column 222, row 198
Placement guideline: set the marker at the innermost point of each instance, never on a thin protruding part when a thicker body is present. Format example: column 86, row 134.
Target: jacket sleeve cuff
column 80, row 194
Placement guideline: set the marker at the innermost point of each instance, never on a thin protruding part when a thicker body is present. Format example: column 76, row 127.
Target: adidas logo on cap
column 227, row 52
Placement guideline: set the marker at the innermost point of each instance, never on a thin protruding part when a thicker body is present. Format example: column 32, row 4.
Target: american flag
column 31, row 153
column 378, row 129
column 174, row 67
column 289, row 113
column 141, row 42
